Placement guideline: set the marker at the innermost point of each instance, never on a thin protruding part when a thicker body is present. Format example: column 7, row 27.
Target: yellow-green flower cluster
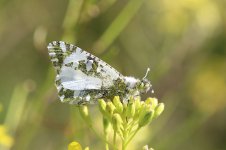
column 127, row 119
column 76, row 146
column 5, row 139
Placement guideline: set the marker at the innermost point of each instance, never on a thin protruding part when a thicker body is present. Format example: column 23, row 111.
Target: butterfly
column 83, row 78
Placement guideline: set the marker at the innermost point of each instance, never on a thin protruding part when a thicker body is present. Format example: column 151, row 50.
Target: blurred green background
column 182, row 41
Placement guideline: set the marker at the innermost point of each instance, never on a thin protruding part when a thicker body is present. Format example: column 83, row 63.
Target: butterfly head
column 145, row 84
column 137, row 86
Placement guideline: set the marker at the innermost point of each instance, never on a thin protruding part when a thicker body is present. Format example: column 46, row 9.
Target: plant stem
column 124, row 135
column 106, row 146
column 106, row 131
column 106, row 139
column 131, row 126
column 101, row 137
column 114, row 138
column 71, row 19
column 117, row 26
column 132, row 136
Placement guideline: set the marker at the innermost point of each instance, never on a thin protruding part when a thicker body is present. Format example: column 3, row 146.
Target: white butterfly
column 83, row 78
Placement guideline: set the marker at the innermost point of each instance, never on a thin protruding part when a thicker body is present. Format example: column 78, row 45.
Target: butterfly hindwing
column 80, row 75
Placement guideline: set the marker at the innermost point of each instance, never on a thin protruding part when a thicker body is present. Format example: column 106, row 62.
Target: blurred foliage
column 183, row 41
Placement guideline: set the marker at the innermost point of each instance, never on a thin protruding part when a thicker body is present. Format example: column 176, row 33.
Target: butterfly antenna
column 146, row 73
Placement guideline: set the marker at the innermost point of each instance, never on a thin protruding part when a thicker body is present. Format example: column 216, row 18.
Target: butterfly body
column 83, row 78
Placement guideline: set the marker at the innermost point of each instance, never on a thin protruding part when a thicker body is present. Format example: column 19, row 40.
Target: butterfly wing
column 79, row 73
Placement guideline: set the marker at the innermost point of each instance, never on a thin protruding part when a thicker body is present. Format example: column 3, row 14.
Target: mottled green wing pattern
column 80, row 75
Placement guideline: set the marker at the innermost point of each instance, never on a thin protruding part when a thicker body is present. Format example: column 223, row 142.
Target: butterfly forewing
column 80, row 74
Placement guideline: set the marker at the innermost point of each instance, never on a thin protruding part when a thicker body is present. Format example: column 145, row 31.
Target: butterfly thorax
column 136, row 86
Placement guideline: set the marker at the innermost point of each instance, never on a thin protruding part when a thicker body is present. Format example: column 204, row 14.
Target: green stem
column 88, row 122
column 117, row 25
column 71, row 19
column 106, row 131
column 132, row 136
column 17, row 103
column 103, row 139
column 124, row 135
column 106, row 139
column 37, row 106
column 114, row 138
column 131, row 126
column 106, row 146
column 123, row 145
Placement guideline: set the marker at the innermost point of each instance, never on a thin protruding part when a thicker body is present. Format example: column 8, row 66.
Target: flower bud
column 117, row 123
column 130, row 111
column 137, row 103
column 145, row 108
column 5, row 139
column 145, row 117
column 118, row 104
column 152, row 101
column 74, row 146
column 110, row 108
column 124, row 109
column 102, row 106
column 84, row 110
column 87, row 148
column 159, row 109
column 107, row 126
column 85, row 113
